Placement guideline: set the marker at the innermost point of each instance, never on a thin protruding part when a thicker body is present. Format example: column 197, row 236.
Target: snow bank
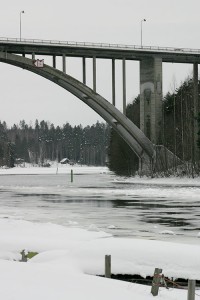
column 22, row 281
column 67, row 254
column 135, row 256
column 88, row 249
column 16, row 235
column 168, row 181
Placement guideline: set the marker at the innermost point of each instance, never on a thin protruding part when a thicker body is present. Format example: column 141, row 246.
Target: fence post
column 156, row 281
column 191, row 289
column 108, row 266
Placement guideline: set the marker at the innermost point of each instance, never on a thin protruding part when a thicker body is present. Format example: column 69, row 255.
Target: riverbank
column 55, row 168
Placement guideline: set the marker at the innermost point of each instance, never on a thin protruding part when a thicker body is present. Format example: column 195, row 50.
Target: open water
column 104, row 202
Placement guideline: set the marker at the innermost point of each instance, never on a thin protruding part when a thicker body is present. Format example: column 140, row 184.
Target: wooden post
column 72, row 177
column 156, row 281
column 191, row 289
column 108, row 266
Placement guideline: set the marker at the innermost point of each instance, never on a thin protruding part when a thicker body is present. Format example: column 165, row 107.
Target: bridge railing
column 97, row 45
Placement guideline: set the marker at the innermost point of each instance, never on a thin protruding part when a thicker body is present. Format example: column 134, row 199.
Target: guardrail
column 98, row 45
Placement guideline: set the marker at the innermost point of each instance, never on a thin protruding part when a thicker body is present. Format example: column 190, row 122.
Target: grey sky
column 27, row 96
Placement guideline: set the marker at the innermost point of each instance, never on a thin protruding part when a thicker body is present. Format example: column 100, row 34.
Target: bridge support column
column 54, row 61
column 94, row 74
column 113, row 81
column 64, row 63
column 84, row 70
column 124, row 85
column 196, row 111
column 151, row 98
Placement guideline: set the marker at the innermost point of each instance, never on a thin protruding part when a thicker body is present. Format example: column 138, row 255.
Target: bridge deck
column 99, row 50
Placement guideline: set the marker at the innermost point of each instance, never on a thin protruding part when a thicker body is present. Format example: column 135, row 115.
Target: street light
column 20, row 25
column 143, row 20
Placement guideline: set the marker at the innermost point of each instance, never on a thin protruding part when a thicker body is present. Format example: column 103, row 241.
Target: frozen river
column 101, row 201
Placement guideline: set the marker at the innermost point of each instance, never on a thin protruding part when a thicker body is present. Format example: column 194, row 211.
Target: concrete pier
column 151, row 98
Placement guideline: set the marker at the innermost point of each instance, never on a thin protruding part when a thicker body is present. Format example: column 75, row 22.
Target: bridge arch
column 132, row 135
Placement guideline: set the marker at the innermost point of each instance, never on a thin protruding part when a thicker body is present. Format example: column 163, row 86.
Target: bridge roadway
column 98, row 50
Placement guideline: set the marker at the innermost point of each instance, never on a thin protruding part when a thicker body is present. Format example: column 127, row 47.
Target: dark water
column 104, row 202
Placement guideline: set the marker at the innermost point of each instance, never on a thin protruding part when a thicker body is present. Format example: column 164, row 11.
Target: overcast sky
column 171, row 23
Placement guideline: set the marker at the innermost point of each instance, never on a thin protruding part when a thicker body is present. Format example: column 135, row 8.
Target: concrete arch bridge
column 153, row 157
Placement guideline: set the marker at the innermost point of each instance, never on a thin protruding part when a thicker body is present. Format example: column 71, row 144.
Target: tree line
column 44, row 142
column 177, row 133
column 90, row 145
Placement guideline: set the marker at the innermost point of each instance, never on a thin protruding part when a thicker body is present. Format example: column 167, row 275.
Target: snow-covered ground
column 69, row 258
column 183, row 181
column 54, row 169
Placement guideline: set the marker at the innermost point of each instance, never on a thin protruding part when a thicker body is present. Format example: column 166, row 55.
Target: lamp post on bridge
column 20, row 24
column 143, row 20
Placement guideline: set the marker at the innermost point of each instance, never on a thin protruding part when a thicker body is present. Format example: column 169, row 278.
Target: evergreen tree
column 45, row 142
column 122, row 160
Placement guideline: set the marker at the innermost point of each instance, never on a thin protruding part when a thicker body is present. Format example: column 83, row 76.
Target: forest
column 43, row 142
column 177, row 133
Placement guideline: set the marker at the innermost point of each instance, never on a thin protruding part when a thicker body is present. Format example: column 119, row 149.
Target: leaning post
column 156, row 281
